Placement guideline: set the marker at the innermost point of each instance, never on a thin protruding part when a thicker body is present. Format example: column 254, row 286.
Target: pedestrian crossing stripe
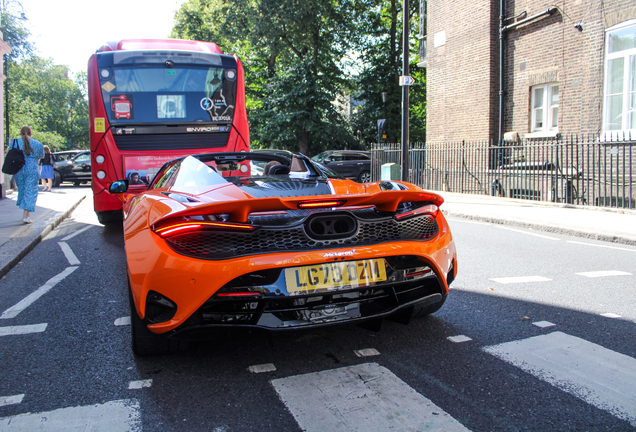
column 599, row 376
column 365, row 398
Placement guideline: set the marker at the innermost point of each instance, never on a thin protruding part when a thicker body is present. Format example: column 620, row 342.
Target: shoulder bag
column 14, row 161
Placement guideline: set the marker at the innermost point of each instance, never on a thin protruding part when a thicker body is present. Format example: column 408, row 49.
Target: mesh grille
column 214, row 245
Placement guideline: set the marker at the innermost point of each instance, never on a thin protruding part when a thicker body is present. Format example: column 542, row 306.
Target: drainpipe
column 502, row 30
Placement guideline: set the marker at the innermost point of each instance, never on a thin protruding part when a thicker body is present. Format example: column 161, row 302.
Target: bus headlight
column 101, row 175
column 100, row 159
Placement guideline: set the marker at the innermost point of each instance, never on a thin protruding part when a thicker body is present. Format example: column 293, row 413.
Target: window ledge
column 618, row 135
column 542, row 134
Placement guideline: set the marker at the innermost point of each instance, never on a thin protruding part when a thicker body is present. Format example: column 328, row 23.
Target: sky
column 69, row 31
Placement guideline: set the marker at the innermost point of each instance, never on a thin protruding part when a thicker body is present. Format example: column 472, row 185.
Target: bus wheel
column 145, row 342
column 109, row 217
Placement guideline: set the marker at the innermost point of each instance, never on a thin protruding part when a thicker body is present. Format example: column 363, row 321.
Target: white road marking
column 28, row 300
column 604, row 273
column 267, row 367
column 136, row 385
column 458, row 339
column 543, row 324
column 601, row 246
column 24, row 329
column 611, row 315
column 367, row 352
column 68, row 253
column 70, row 236
column 467, row 221
column 11, row 400
column 521, row 279
column 528, row 233
column 362, row 398
column 123, row 321
column 599, row 376
column 116, row 416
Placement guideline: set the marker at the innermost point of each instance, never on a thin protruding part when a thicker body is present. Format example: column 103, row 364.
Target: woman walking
column 47, row 173
column 28, row 177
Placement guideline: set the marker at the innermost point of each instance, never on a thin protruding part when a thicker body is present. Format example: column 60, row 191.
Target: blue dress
column 28, row 177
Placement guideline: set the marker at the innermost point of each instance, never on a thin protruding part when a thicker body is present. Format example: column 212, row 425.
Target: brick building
column 567, row 67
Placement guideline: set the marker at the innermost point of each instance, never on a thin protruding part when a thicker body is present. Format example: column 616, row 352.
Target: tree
column 381, row 53
column 292, row 53
column 41, row 95
column 52, row 104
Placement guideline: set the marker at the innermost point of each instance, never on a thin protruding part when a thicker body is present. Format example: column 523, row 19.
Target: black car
column 352, row 164
column 76, row 170
column 64, row 155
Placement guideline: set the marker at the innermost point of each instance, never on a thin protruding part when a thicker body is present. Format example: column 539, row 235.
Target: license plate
column 350, row 274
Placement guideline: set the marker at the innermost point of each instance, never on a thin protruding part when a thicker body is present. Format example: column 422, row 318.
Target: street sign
column 406, row 80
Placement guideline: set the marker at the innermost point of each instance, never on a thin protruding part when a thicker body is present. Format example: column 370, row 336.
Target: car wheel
column 57, row 179
column 109, row 217
column 145, row 342
column 364, row 177
column 427, row 309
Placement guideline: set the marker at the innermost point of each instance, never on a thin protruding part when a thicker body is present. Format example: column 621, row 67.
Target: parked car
column 352, row 164
column 259, row 167
column 64, row 155
column 76, row 170
column 211, row 246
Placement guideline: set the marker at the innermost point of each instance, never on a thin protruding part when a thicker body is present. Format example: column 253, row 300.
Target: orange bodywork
column 190, row 282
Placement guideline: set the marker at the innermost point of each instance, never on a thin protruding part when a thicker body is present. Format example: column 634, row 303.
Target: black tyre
column 146, row 343
column 421, row 311
column 57, row 179
column 110, row 217
column 364, row 177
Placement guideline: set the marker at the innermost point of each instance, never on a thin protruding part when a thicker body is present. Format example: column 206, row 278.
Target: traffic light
column 381, row 126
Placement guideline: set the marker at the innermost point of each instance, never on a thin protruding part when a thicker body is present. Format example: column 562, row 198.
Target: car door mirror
column 326, row 160
column 119, row 186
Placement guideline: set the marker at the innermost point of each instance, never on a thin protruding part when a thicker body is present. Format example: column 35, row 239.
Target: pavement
column 611, row 225
column 17, row 239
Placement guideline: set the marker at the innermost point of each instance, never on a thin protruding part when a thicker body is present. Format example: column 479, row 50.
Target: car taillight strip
column 176, row 228
column 320, row 204
column 430, row 209
column 187, row 226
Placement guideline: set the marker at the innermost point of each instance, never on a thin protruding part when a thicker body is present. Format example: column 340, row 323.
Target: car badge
column 339, row 254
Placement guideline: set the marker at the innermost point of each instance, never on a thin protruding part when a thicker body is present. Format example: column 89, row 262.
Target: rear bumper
column 281, row 314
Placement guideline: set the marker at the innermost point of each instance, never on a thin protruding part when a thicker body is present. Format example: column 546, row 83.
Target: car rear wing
column 239, row 210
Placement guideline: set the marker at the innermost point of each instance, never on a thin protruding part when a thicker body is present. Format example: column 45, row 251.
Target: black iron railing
column 568, row 170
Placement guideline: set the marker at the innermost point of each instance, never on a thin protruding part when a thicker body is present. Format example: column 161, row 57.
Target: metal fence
column 573, row 170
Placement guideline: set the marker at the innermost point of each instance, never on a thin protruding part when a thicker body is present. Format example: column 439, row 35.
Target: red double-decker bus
column 152, row 100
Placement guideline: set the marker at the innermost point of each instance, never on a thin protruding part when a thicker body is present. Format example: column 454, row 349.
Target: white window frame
column 548, row 111
column 629, row 55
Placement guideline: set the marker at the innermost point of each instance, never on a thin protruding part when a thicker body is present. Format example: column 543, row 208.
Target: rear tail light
column 171, row 229
column 320, row 204
column 430, row 209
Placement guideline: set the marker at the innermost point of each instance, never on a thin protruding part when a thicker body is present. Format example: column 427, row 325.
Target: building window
column 545, row 108
column 619, row 107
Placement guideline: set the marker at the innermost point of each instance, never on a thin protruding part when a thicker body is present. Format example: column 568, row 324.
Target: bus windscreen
column 151, row 94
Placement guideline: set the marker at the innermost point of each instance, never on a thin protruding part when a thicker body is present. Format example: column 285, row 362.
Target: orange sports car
column 265, row 241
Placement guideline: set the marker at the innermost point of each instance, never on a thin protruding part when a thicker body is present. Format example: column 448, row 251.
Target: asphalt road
column 537, row 335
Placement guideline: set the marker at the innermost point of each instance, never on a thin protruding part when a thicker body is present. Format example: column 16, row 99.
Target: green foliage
column 381, row 54
column 41, row 95
column 300, row 57
column 16, row 36
column 291, row 52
